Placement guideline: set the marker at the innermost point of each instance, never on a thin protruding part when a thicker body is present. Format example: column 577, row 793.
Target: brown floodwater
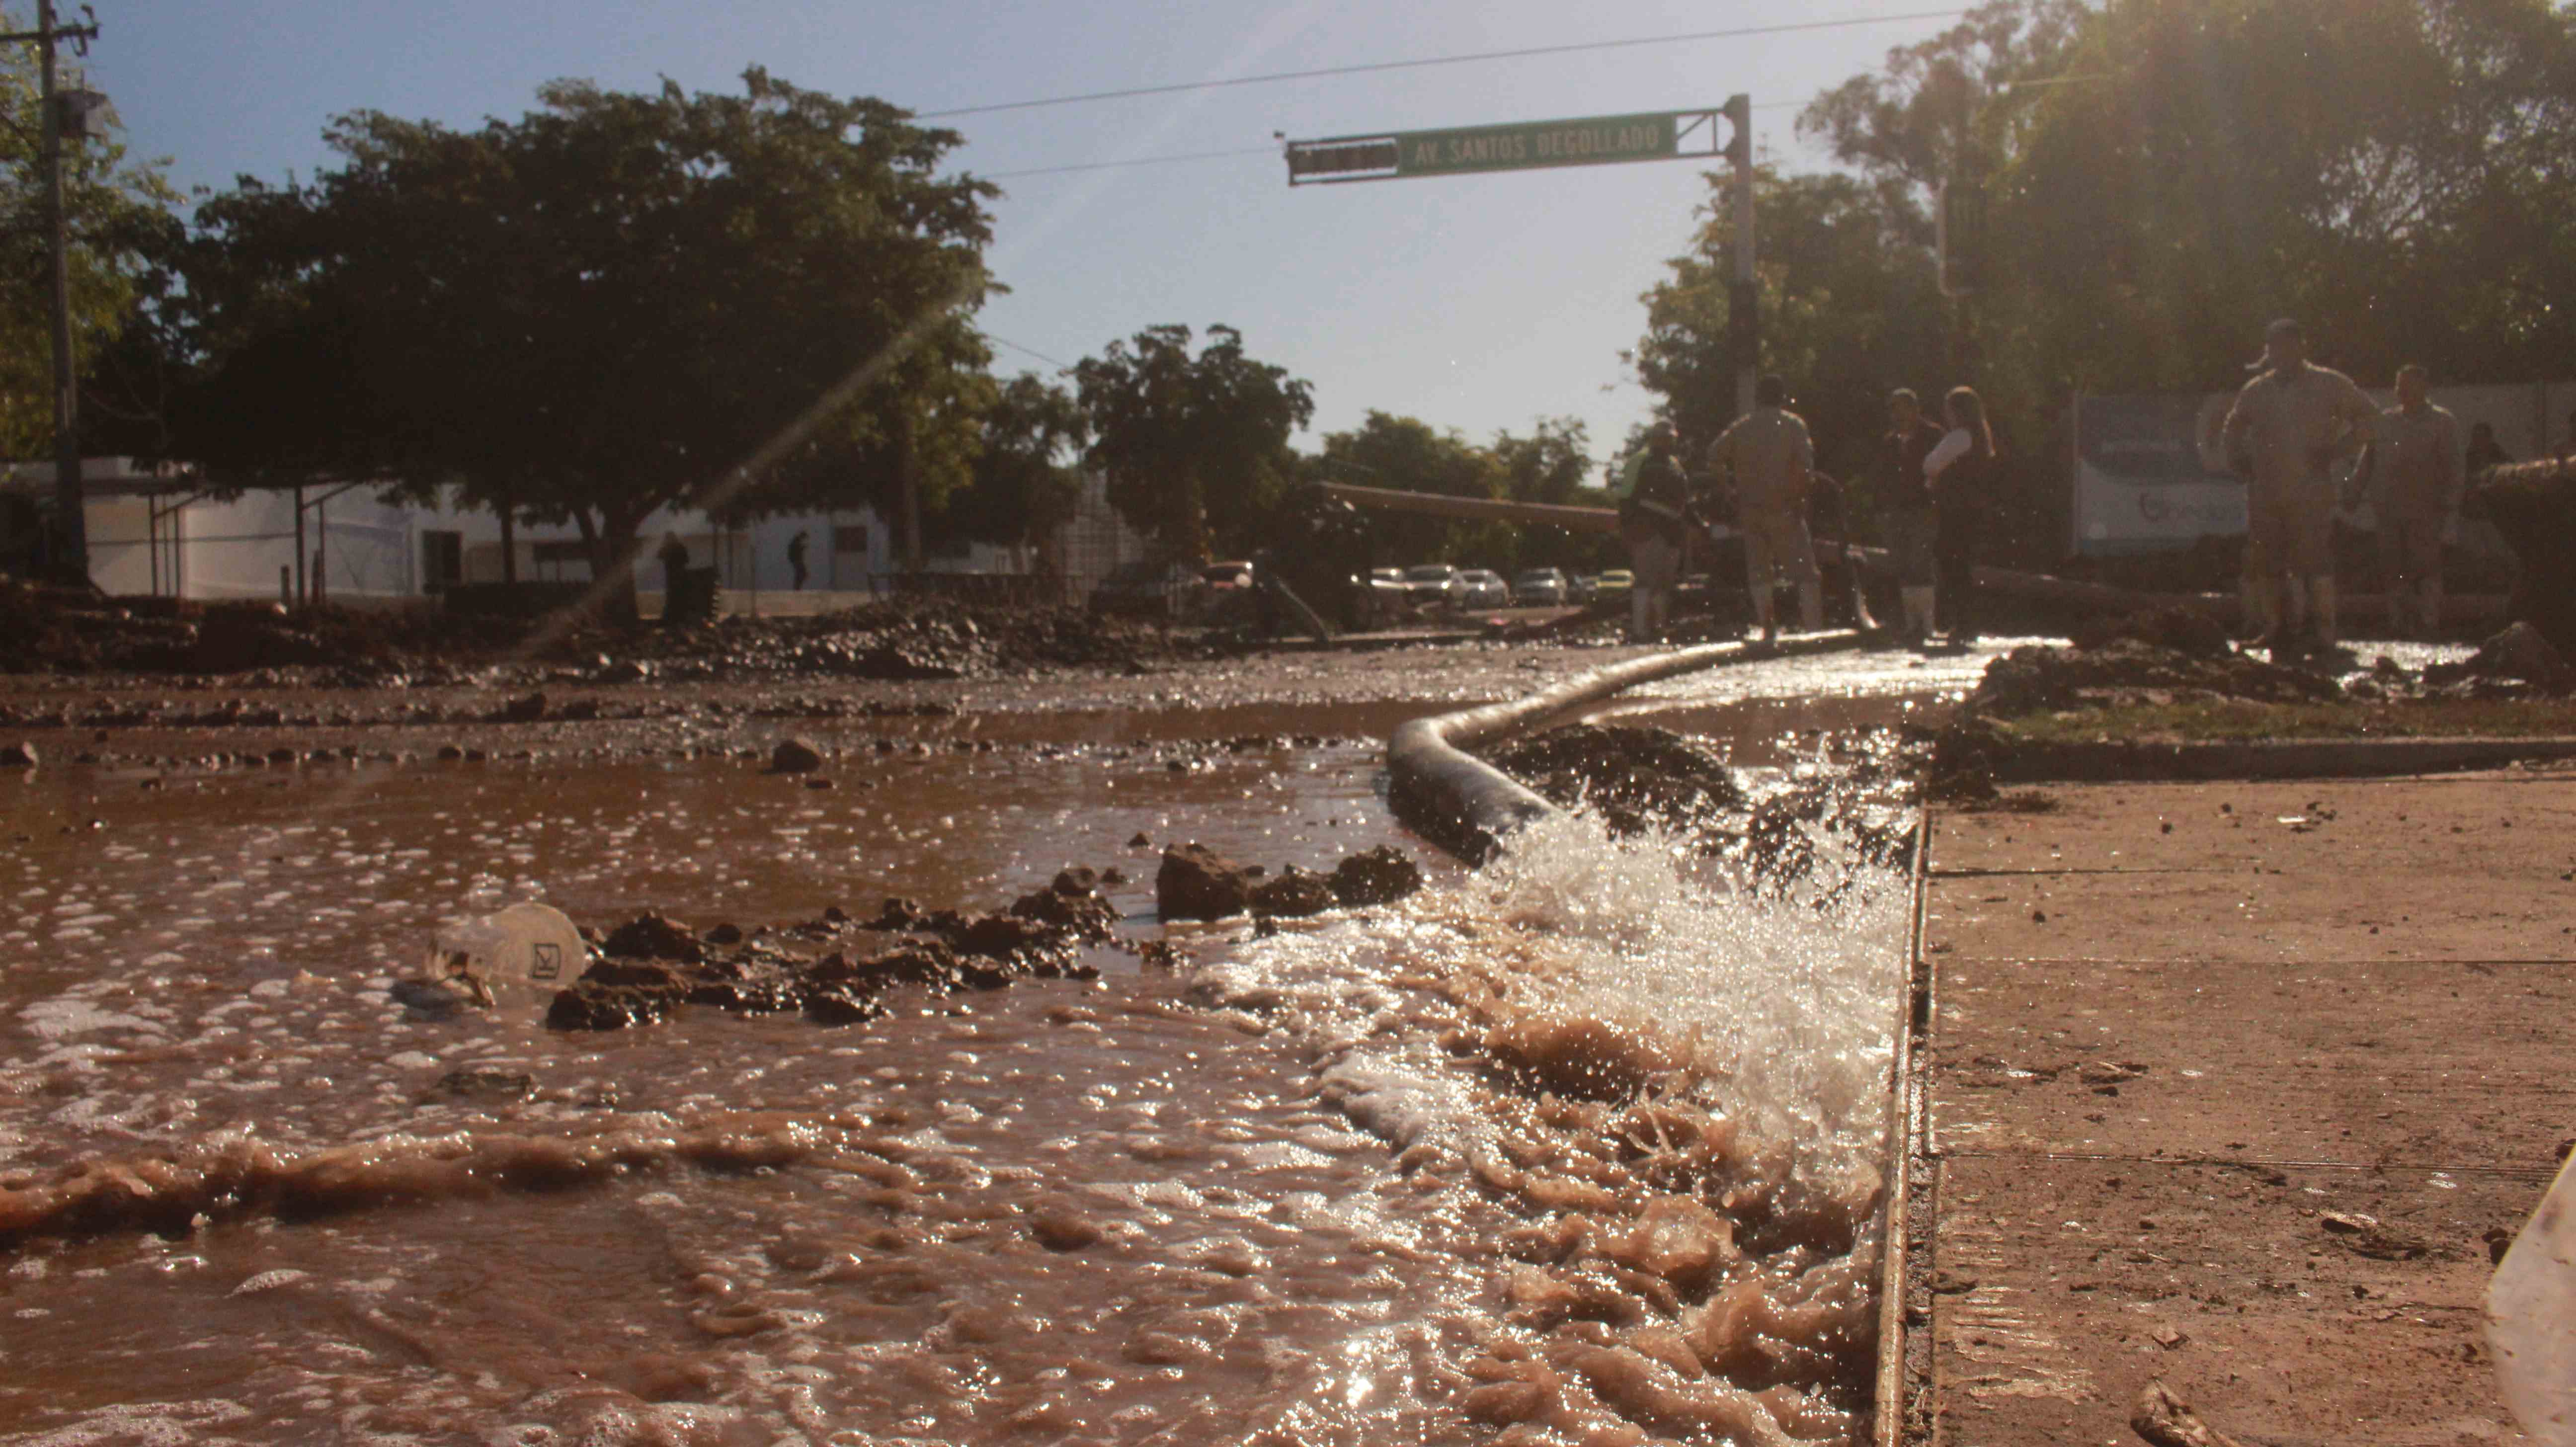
column 1580, row 1149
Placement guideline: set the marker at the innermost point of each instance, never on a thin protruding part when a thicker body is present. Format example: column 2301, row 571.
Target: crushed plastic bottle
column 2531, row 1317
column 518, row 957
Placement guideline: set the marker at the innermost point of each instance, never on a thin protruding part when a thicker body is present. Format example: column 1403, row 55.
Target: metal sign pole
column 1744, row 298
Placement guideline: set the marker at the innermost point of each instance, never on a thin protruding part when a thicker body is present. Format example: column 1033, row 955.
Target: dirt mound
column 2041, row 679
column 1633, row 778
column 901, row 639
column 2184, row 630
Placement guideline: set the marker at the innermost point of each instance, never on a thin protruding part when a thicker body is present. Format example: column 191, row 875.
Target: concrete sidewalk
column 2225, row 1084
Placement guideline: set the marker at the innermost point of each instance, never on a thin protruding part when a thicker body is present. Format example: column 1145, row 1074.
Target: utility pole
column 1743, row 297
column 71, row 530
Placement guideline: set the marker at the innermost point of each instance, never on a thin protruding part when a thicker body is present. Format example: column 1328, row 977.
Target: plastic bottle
column 519, row 956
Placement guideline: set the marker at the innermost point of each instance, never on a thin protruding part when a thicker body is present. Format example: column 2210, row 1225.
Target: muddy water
column 1334, row 1186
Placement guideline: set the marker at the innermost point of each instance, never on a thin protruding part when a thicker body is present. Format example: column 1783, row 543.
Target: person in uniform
column 2411, row 473
column 1768, row 455
column 2289, row 426
column 1652, row 520
column 1905, row 505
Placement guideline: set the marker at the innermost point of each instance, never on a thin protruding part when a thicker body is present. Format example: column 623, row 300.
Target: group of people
column 1761, row 478
column 2292, row 429
column 2293, row 425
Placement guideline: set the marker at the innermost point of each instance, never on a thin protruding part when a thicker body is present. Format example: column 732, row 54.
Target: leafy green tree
column 116, row 217
column 1194, row 448
column 747, row 303
column 1026, row 476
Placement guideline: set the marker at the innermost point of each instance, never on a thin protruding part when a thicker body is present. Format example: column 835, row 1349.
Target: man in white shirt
column 2288, row 427
column 1769, row 456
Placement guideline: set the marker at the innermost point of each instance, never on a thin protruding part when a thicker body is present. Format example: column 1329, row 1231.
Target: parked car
column 1227, row 575
column 1435, row 583
column 1483, row 588
column 1582, row 588
column 1539, row 588
column 1144, row 587
column 1615, row 584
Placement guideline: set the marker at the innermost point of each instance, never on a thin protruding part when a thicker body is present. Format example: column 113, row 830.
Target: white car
column 1481, row 588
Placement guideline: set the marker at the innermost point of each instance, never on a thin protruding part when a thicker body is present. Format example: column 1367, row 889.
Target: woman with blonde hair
column 1960, row 473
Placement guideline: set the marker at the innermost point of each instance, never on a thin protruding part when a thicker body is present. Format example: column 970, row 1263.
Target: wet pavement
column 1281, row 1194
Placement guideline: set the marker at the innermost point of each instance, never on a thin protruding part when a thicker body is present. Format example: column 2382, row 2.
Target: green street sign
column 1523, row 146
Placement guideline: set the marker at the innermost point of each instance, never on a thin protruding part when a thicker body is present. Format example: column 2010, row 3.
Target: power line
column 1738, row 33
column 1032, row 351
column 1133, row 161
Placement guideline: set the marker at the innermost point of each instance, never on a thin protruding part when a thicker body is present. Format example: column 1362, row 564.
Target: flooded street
column 1578, row 1149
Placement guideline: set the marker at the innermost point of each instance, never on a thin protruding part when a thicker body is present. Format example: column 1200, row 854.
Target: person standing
column 1769, row 456
column 1652, row 521
column 2484, row 451
column 1906, row 505
column 2289, row 425
column 2411, row 474
column 796, row 562
column 1960, row 471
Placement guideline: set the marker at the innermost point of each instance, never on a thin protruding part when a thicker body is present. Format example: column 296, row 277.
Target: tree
column 615, row 304
column 1026, row 477
column 115, row 217
column 1195, row 449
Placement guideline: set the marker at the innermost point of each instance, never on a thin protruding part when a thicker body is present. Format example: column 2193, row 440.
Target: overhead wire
column 1740, row 32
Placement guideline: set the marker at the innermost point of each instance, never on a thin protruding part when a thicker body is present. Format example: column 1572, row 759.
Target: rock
column 17, row 756
column 485, row 1085
column 1140, row 841
column 1295, row 893
column 723, row 934
column 842, row 1007
column 654, row 936
column 795, row 756
column 1060, row 1229
column 450, row 753
column 899, row 914
column 1196, row 882
column 638, row 974
column 589, row 1005
column 818, row 783
column 2518, row 652
column 2164, row 1419
column 1073, row 902
column 521, row 710
column 1377, row 876
column 1006, row 936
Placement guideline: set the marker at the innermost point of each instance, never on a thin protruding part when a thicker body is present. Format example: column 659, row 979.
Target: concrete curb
column 2117, row 762
column 1470, row 808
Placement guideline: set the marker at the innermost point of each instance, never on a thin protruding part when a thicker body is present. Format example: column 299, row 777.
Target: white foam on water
column 1782, row 1007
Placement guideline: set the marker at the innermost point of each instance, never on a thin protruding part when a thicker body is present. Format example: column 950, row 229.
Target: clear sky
column 1474, row 302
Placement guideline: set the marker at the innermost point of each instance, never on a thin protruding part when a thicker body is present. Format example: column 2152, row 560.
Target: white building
column 153, row 531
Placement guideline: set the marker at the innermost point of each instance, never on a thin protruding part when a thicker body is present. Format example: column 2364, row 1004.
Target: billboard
column 2145, row 477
